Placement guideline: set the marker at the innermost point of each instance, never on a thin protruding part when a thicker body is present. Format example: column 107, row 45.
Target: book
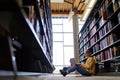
column 104, row 12
column 72, row 61
column 110, row 10
column 117, row 51
column 108, row 1
column 118, row 17
column 115, row 5
column 119, row 2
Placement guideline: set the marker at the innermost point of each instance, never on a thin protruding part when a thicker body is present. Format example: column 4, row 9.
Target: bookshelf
column 25, row 37
column 100, row 34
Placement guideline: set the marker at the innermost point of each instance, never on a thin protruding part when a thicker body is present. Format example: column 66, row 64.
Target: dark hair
column 88, row 51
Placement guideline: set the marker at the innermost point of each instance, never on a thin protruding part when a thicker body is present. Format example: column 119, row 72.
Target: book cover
column 115, row 5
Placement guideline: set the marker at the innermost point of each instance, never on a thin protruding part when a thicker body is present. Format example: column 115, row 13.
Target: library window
column 68, row 52
column 57, row 37
column 57, row 28
column 58, row 53
column 57, row 20
column 63, row 47
column 68, row 26
column 68, row 38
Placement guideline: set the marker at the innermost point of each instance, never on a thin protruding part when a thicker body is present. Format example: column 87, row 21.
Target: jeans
column 65, row 68
column 79, row 69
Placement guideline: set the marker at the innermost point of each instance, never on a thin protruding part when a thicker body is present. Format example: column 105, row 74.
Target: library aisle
column 60, row 77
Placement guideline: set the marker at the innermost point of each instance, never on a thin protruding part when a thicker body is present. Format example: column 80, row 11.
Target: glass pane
column 80, row 27
column 68, row 38
column 81, row 22
column 56, row 20
column 57, row 28
column 57, row 37
column 62, row 37
column 67, row 25
column 68, row 53
column 58, row 53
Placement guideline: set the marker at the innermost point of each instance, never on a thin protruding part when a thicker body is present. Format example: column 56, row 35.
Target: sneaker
column 64, row 73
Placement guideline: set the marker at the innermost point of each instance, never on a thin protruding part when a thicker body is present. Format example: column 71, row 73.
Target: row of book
column 92, row 24
column 101, row 35
column 81, row 44
column 105, row 29
column 106, row 42
column 96, row 48
column 92, row 32
column 102, row 44
column 110, row 39
column 85, row 32
column 35, row 22
column 94, row 38
column 86, row 39
column 39, row 16
column 107, row 9
column 104, row 9
column 118, row 17
column 81, row 51
column 92, row 41
column 86, row 46
column 108, row 54
column 82, row 57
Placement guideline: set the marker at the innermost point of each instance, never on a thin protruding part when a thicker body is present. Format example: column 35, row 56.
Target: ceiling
column 64, row 7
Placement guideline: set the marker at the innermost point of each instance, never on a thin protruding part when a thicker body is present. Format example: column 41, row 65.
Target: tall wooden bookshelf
column 100, row 34
column 25, row 37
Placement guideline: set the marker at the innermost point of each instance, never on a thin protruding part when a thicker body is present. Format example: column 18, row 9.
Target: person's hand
column 79, row 63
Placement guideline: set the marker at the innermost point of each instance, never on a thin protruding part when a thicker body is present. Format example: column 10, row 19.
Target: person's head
column 87, row 53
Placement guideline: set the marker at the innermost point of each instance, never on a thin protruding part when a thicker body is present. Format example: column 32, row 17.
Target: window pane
column 67, row 25
column 57, row 21
column 58, row 53
column 68, row 53
column 62, row 42
column 81, row 22
column 57, row 28
column 68, row 38
column 80, row 27
column 57, row 37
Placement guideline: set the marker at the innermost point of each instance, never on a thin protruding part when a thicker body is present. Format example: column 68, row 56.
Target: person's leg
column 79, row 69
column 63, row 71
column 65, row 68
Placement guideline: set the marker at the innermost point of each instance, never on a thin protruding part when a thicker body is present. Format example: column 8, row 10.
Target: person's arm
column 78, row 63
column 88, row 64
